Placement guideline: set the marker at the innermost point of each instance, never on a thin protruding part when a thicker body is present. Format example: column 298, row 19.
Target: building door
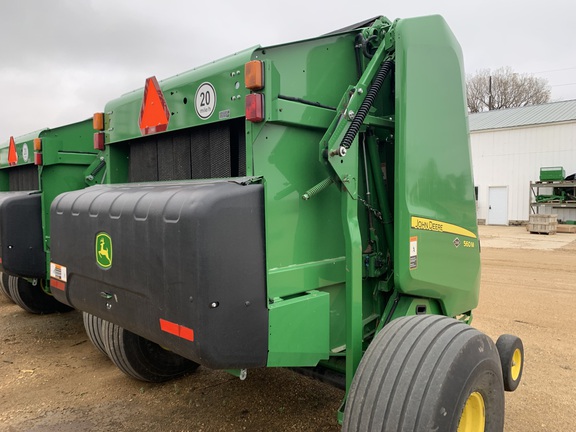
column 497, row 205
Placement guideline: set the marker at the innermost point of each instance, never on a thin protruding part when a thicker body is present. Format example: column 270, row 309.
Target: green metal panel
column 304, row 251
column 305, row 246
column 180, row 91
column 70, row 144
column 434, row 179
column 67, row 153
column 301, row 246
column 24, row 150
column 316, row 70
column 299, row 330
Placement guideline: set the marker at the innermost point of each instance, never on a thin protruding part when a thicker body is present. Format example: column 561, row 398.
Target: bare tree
column 491, row 90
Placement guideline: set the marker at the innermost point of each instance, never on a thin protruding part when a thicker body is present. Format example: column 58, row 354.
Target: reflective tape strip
column 177, row 330
column 54, row 283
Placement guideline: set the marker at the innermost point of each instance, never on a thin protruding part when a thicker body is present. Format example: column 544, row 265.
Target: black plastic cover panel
column 179, row 263
column 21, row 242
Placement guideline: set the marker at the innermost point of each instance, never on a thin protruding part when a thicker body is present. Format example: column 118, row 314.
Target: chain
column 377, row 213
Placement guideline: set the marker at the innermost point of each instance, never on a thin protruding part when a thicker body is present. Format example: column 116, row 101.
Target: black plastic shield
column 21, row 242
column 181, row 264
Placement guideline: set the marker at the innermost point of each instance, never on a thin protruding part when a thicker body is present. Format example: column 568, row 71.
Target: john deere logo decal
column 104, row 250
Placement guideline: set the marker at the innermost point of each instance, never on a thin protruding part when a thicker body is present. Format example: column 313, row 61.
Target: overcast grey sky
column 62, row 60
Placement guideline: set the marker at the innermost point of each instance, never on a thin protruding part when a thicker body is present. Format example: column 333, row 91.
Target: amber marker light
column 37, row 144
column 98, row 121
column 254, row 75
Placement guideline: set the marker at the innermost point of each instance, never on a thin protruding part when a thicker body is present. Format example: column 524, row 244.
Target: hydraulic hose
column 367, row 103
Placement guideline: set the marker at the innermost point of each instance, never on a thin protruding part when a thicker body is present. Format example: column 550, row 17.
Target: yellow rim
column 474, row 414
column 516, row 365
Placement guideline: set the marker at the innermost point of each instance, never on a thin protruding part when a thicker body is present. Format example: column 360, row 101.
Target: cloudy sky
column 62, row 60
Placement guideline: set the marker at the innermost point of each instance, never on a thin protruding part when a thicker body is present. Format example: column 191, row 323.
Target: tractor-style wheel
column 32, row 298
column 511, row 351
column 4, row 286
column 93, row 327
column 427, row 372
column 140, row 358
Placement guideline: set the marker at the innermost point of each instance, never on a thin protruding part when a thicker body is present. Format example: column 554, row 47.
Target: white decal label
column 58, row 271
column 205, row 100
column 25, row 153
column 413, row 252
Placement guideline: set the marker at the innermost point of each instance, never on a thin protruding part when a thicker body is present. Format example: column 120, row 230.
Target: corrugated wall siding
column 513, row 158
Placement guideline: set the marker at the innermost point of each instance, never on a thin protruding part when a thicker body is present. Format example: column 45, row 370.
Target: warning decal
column 205, row 100
column 25, row 153
column 413, row 253
column 58, row 271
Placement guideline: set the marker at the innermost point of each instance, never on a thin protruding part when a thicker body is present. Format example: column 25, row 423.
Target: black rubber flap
column 179, row 263
column 21, row 242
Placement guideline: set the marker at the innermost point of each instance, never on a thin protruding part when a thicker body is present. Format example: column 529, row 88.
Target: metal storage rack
column 536, row 205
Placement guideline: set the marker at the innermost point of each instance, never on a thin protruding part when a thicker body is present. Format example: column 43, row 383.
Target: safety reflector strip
column 54, row 283
column 154, row 112
column 177, row 330
column 12, row 155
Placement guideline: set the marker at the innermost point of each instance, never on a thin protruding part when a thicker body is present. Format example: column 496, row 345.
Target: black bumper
column 183, row 265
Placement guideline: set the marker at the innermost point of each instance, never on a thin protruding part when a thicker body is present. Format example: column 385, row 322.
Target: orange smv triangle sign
column 154, row 112
column 12, row 155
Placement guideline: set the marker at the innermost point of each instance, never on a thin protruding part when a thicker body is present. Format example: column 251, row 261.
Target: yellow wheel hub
column 516, row 365
column 474, row 414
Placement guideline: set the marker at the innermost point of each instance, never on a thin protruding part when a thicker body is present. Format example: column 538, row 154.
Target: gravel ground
column 53, row 379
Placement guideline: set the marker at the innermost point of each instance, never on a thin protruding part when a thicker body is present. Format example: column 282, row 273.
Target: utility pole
column 490, row 93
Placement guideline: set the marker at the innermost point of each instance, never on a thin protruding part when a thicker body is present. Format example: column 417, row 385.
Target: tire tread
column 397, row 380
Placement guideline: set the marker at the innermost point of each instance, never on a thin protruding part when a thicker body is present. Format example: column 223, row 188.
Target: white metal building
column 509, row 147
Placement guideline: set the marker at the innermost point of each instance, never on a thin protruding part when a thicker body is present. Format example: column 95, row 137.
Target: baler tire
column 32, row 298
column 141, row 358
column 4, row 286
column 511, row 351
column 427, row 372
column 93, row 327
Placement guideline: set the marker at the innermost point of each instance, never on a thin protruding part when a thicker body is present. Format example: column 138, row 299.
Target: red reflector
column 187, row 333
column 99, row 140
column 255, row 107
column 154, row 112
column 169, row 327
column 12, row 155
column 177, row 330
column 54, row 283
column 37, row 158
